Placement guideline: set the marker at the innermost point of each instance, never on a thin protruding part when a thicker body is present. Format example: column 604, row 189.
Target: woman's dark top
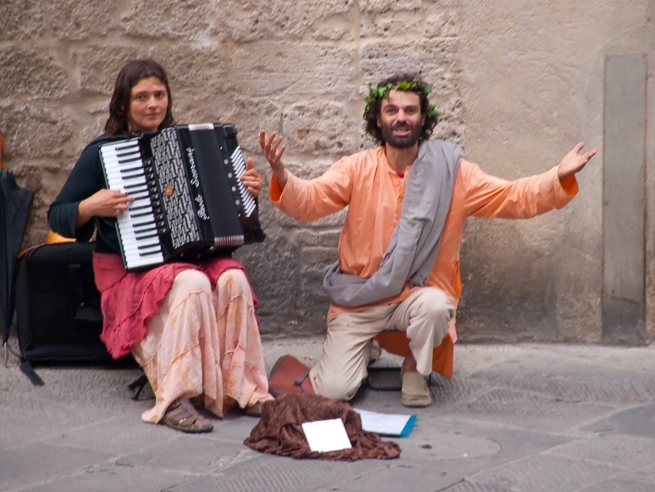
column 86, row 178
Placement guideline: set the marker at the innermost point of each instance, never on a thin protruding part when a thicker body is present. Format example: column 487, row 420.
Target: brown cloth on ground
column 280, row 429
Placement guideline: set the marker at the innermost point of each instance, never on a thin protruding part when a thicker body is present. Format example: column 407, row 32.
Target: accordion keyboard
column 125, row 171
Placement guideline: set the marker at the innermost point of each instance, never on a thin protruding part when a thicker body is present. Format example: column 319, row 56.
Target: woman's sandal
column 182, row 415
column 255, row 410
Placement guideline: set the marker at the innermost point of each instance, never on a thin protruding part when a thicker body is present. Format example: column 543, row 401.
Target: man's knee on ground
column 336, row 389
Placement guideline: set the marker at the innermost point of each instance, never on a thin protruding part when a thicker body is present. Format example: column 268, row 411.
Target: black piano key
column 145, row 236
column 131, row 169
column 141, row 214
column 128, row 160
column 148, row 253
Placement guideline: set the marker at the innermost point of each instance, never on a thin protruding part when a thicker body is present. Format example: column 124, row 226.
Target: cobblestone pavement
column 513, row 418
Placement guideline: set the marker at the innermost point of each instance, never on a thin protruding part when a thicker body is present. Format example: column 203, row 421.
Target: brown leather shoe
column 415, row 391
column 182, row 415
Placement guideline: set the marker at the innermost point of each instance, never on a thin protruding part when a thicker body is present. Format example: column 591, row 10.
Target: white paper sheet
column 326, row 435
column 386, row 424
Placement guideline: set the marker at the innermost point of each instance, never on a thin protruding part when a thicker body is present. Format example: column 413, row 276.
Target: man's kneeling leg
column 346, row 353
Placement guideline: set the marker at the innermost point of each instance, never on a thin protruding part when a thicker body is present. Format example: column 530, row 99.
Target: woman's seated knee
column 192, row 280
column 233, row 278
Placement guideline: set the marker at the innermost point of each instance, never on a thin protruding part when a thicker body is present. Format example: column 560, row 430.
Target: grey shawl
column 413, row 247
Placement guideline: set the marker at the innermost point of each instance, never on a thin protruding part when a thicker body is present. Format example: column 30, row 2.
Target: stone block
column 33, row 74
column 21, row 19
column 381, row 6
column 312, row 237
column 75, row 20
column 91, row 124
column 35, row 131
column 443, row 24
column 199, row 69
column 391, row 24
column 434, row 60
column 167, row 19
column 261, row 20
column 98, row 66
column 248, row 115
column 296, row 68
column 321, row 129
column 334, row 28
column 273, row 271
column 314, row 257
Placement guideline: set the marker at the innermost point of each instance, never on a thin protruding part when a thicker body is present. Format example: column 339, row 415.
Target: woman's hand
column 104, row 203
column 251, row 179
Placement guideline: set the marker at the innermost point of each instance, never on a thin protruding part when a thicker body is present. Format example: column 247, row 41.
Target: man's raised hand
column 573, row 162
column 273, row 152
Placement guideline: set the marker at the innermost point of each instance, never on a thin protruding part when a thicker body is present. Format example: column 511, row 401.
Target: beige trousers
column 204, row 344
column 424, row 316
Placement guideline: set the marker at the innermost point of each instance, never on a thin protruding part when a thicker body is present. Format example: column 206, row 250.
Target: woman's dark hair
column 130, row 75
column 371, row 115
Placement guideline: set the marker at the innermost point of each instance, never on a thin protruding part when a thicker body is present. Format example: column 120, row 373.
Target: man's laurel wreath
column 415, row 85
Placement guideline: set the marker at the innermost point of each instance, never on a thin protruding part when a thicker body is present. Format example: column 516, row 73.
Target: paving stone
column 189, row 453
column 591, row 383
column 616, row 450
column 117, row 435
column 427, row 444
column 36, row 419
column 637, row 421
column 402, row 477
column 110, row 478
column 545, row 473
column 466, row 486
column 530, row 410
column 36, row 462
column 276, row 473
column 234, row 427
column 619, row 484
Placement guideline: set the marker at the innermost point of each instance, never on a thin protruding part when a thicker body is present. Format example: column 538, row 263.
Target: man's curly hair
column 372, row 111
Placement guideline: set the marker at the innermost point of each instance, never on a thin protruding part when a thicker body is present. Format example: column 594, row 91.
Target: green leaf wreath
column 382, row 92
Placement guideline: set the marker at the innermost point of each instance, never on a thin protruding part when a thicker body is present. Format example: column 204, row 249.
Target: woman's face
column 148, row 105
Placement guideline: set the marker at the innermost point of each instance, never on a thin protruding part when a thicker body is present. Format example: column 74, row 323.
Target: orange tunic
column 373, row 192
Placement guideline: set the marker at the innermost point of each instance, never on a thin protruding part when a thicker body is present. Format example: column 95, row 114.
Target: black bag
column 58, row 315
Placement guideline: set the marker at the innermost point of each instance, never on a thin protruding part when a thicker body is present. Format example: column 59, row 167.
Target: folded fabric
column 279, row 430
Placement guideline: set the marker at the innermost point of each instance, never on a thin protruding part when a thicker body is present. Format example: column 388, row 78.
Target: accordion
column 189, row 202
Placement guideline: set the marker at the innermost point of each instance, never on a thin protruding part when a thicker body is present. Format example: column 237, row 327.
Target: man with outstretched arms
column 408, row 199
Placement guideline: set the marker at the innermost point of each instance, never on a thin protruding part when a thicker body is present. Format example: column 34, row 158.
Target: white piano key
column 144, row 261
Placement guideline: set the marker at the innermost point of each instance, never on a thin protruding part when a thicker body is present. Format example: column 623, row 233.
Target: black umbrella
column 15, row 204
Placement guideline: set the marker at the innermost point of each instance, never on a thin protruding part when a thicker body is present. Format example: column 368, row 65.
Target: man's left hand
column 572, row 162
column 251, row 179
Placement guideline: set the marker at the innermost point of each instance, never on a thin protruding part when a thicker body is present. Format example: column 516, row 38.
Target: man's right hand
column 273, row 152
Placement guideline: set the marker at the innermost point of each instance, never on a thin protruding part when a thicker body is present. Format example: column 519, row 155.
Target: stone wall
column 519, row 84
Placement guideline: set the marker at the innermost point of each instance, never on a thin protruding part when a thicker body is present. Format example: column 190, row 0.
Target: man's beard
column 401, row 142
